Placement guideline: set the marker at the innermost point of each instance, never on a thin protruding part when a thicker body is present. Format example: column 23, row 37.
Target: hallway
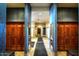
column 56, row 24
column 40, row 48
column 44, row 49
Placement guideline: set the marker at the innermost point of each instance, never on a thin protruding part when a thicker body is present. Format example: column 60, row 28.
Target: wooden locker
column 67, row 36
column 15, row 37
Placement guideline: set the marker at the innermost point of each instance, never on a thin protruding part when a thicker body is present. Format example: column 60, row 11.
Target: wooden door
column 14, row 36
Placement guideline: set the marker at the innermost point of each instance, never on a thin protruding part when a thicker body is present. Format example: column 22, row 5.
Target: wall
column 53, row 21
column 15, row 14
column 2, row 27
column 27, row 22
column 67, row 14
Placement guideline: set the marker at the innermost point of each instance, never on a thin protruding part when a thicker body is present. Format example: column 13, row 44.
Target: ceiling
column 40, row 12
column 40, row 4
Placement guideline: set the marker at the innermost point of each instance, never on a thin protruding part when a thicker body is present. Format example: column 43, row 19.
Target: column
column 53, row 21
column 27, row 19
column 2, row 27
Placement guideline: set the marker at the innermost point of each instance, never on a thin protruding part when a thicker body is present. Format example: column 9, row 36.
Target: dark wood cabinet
column 14, row 36
column 67, row 36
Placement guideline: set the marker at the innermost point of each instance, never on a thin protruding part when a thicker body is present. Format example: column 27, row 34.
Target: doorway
column 39, row 32
column 44, row 31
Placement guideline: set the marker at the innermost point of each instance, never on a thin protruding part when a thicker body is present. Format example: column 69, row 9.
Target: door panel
column 14, row 36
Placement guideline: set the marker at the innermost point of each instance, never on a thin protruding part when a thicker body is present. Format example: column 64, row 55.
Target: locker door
column 15, row 37
column 74, row 36
column 67, row 36
column 61, row 37
column 10, row 42
column 20, row 39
